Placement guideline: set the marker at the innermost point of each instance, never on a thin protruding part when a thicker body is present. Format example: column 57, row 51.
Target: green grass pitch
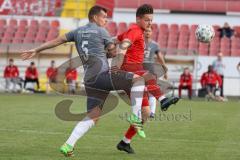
column 191, row 130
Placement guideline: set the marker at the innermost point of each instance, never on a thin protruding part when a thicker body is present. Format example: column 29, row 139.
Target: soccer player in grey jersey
column 91, row 42
column 151, row 50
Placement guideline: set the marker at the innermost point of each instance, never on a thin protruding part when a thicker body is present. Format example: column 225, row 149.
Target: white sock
column 80, row 129
column 161, row 98
column 137, row 91
column 126, row 140
column 152, row 103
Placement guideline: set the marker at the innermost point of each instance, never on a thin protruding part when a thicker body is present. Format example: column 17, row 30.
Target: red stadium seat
column 174, row 28
column 3, row 22
column 196, row 6
column 44, row 23
column 112, row 28
column 172, row 5
column 13, row 22
column 154, row 31
column 28, row 40
column 212, row 7
column 214, row 46
column 122, row 27
column 6, row 40
column 203, row 49
column 23, row 22
column 17, row 40
column 225, row 46
column 233, row 6
column 163, row 28
column 34, row 23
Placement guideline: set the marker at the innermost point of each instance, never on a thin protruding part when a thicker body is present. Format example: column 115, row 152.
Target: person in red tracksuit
column 185, row 82
column 51, row 74
column 209, row 80
column 31, row 75
column 71, row 78
column 11, row 75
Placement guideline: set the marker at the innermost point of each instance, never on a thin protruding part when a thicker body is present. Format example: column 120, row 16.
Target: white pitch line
column 152, row 140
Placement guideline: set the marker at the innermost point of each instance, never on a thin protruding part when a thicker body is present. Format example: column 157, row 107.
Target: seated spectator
column 226, row 31
column 185, row 83
column 11, row 75
column 71, row 78
column 31, row 75
column 51, row 74
column 209, row 81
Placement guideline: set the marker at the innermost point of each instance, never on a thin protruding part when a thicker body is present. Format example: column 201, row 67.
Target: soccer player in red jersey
column 11, row 74
column 71, row 78
column 185, row 83
column 132, row 49
column 31, row 75
column 51, row 74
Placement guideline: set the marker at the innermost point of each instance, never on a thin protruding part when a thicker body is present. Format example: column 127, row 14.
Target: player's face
column 148, row 33
column 10, row 63
column 101, row 19
column 145, row 21
column 186, row 71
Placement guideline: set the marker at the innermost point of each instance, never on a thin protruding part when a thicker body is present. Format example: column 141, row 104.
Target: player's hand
column 165, row 76
column 28, row 54
column 165, row 68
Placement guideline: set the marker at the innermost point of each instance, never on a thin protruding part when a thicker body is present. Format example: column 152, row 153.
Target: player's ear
column 95, row 18
column 137, row 19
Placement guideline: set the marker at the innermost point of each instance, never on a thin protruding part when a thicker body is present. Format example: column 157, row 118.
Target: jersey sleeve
column 70, row 36
column 130, row 35
column 106, row 37
column 156, row 48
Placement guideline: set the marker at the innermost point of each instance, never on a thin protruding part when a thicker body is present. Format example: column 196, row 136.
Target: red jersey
column 186, row 78
column 135, row 53
column 51, row 73
column 210, row 78
column 31, row 73
column 71, row 74
column 11, row 72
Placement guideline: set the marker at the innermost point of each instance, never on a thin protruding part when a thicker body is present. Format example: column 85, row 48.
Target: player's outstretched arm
column 161, row 60
column 121, row 51
column 50, row 44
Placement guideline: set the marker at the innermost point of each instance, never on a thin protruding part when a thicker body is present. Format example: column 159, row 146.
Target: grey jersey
column 151, row 48
column 91, row 41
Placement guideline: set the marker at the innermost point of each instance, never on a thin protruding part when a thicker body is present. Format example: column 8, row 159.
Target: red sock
column 153, row 88
column 130, row 132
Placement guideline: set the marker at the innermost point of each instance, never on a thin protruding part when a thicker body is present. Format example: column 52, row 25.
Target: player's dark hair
column 95, row 10
column 10, row 60
column 32, row 63
column 144, row 9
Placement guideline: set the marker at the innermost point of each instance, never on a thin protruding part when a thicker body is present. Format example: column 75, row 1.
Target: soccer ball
column 204, row 33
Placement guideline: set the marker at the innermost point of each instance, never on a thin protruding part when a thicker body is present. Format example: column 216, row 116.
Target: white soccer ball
column 204, row 33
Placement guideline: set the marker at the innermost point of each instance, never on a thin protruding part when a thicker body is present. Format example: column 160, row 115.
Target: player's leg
column 7, row 84
column 95, row 101
column 180, row 91
column 155, row 90
column 124, row 144
column 152, row 104
column 189, row 87
column 134, row 85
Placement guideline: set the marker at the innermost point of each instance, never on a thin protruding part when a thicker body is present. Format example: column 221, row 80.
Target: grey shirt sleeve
column 157, row 48
column 106, row 37
column 70, row 36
